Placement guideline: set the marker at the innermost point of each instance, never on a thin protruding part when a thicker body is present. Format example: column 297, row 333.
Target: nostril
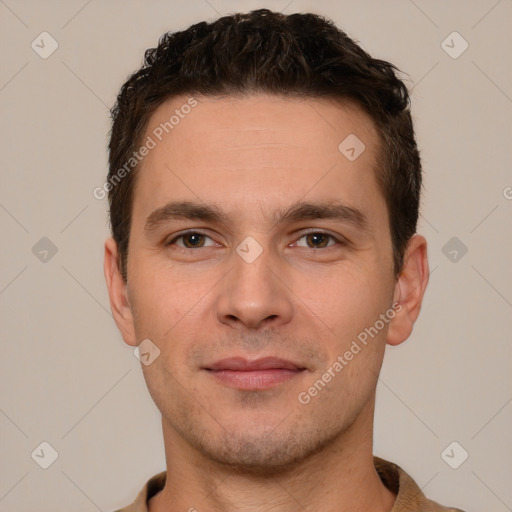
column 269, row 319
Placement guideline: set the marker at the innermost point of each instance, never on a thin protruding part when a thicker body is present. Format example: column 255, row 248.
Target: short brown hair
column 264, row 51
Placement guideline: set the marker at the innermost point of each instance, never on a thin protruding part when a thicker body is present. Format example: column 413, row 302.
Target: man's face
column 210, row 295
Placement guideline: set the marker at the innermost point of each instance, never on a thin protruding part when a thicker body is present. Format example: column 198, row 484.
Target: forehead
column 312, row 126
column 260, row 150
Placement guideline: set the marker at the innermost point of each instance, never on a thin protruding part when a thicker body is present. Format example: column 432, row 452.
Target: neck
column 341, row 476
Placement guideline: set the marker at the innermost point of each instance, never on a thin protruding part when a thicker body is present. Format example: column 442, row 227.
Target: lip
column 264, row 363
column 261, row 373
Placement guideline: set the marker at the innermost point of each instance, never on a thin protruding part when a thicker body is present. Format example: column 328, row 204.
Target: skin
column 304, row 299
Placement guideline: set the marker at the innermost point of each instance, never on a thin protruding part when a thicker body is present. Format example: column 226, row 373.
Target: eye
column 191, row 240
column 317, row 240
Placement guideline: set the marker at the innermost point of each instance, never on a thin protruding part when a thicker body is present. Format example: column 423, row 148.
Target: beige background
column 66, row 376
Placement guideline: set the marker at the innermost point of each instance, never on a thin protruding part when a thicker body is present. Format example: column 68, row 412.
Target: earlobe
column 409, row 290
column 118, row 293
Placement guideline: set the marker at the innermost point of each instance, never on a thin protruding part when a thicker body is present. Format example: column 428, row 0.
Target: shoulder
column 154, row 485
column 409, row 496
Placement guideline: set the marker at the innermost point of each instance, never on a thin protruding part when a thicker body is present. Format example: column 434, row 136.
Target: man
column 264, row 187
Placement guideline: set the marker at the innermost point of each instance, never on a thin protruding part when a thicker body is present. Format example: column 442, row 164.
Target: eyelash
column 339, row 241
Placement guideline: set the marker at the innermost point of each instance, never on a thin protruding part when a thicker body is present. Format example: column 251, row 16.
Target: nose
column 253, row 297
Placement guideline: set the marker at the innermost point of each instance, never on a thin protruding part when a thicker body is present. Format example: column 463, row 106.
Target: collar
column 410, row 497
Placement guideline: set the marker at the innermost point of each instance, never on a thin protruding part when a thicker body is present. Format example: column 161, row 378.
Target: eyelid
column 341, row 240
column 181, row 234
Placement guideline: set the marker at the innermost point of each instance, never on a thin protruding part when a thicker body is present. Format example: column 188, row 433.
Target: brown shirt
column 409, row 497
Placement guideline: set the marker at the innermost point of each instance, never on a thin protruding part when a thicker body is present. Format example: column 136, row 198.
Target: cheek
column 170, row 311
column 345, row 301
column 164, row 300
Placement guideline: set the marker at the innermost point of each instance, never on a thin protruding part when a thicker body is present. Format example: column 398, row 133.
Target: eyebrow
column 332, row 210
column 299, row 211
column 176, row 210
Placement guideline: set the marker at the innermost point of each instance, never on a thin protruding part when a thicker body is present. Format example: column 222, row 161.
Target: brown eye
column 191, row 240
column 316, row 240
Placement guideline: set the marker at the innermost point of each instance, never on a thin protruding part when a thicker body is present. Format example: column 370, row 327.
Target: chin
column 263, row 451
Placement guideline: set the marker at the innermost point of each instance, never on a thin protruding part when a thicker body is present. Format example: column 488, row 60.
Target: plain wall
column 66, row 376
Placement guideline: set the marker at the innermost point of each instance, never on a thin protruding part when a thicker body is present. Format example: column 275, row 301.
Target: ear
column 118, row 293
column 409, row 290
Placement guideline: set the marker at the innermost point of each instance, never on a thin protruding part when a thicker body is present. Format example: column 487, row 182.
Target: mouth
column 264, row 373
